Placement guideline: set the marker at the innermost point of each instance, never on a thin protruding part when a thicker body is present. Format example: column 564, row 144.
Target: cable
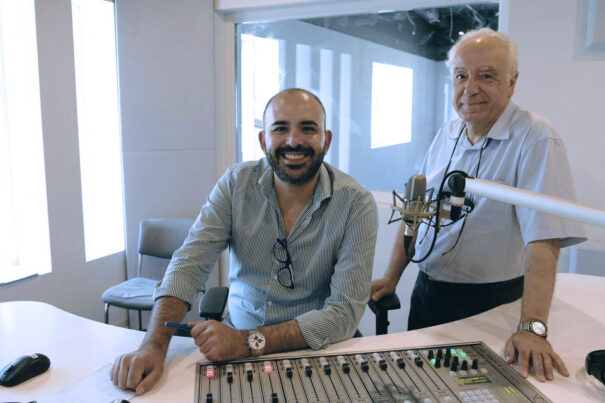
column 440, row 197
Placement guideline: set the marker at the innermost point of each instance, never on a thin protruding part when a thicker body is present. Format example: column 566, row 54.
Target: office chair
column 212, row 306
column 158, row 238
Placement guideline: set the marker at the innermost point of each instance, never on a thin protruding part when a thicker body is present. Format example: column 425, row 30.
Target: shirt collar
column 499, row 131
column 323, row 190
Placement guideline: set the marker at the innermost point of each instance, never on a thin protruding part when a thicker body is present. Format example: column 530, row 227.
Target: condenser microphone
column 415, row 190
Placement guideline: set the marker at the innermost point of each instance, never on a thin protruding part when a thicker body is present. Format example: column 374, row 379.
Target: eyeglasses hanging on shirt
column 285, row 277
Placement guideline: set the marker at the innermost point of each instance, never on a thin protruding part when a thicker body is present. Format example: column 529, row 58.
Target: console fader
column 469, row 372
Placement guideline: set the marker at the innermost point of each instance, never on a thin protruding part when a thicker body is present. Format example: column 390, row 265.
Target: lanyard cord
column 440, row 196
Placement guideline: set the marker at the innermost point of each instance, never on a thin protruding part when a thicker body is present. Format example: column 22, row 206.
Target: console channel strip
column 469, row 372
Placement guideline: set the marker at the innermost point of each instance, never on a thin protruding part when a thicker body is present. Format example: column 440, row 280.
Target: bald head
column 304, row 95
column 489, row 37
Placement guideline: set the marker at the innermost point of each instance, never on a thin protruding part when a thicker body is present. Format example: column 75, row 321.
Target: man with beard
column 301, row 235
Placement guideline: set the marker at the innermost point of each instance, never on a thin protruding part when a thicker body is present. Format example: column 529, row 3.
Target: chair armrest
column 212, row 304
column 381, row 309
column 386, row 303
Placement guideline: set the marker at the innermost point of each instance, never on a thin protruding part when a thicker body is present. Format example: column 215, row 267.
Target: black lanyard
column 486, row 141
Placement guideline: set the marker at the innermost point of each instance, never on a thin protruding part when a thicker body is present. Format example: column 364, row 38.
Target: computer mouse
column 595, row 364
column 23, row 368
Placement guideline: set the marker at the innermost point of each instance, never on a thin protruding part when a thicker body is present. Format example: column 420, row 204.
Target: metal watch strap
column 527, row 326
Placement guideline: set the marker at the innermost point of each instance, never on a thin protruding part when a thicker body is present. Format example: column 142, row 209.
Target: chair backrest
column 160, row 237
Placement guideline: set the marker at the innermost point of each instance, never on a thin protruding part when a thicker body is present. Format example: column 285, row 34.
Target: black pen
column 178, row 326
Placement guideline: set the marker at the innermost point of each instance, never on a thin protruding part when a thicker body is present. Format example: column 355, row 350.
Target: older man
column 301, row 235
column 502, row 252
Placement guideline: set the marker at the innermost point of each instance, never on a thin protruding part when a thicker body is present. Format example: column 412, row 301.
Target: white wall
column 73, row 284
column 166, row 74
column 563, row 81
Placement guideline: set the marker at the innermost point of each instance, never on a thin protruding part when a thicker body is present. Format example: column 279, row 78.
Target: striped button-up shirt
column 331, row 247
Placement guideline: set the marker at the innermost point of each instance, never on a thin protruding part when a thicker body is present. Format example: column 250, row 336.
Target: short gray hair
column 505, row 40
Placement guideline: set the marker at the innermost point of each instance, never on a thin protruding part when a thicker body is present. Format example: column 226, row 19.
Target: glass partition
column 381, row 76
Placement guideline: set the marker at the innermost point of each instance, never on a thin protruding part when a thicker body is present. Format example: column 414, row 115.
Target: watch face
column 256, row 341
column 538, row 328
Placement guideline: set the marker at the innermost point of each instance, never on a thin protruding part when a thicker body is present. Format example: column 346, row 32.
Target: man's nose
column 294, row 137
column 471, row 87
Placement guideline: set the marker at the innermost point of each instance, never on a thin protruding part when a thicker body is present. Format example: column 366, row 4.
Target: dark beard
column 280, row 171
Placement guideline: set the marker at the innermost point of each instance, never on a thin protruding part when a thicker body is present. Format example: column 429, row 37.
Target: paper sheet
column 94, row 388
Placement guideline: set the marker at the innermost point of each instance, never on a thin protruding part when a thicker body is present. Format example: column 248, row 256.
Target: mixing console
column 469, row 372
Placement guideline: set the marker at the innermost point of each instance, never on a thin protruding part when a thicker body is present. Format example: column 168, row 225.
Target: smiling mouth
column 295, row 158
column 292, row 156
column 473, row 103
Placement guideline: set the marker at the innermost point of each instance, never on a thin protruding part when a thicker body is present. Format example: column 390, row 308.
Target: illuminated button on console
column 210, row 371
column 267, row 367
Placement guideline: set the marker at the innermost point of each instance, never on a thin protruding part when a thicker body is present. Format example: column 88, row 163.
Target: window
column 260, row 80
column 381, row 77
column 98, row 126
column 24, row 235
column 392, row 89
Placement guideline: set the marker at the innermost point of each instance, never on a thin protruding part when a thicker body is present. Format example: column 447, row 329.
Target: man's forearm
column 283, row 337
column 165, row 309
column 540, row 274
column 399, row 259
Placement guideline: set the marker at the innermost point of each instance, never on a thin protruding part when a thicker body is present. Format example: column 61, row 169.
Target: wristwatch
column 256, row 343
column 534, row 326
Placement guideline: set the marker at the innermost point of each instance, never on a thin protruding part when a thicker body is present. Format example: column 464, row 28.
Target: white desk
column 78, row 347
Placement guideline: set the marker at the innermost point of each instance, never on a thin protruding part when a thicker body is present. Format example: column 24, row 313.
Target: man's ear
column 328, row 140
column 261, row 139
column 512, row 83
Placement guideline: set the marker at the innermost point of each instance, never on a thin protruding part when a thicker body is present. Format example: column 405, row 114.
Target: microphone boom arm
column 537, row 201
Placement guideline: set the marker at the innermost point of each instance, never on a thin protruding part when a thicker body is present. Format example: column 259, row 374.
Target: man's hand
column 138, row 370
column 382, row 287
column 219, row 342
column 535, row 355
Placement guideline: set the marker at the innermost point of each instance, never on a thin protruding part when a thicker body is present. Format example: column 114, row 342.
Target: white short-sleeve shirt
column 522, row 150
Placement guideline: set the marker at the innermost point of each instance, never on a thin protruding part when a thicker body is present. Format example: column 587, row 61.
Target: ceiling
column 426, row 32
